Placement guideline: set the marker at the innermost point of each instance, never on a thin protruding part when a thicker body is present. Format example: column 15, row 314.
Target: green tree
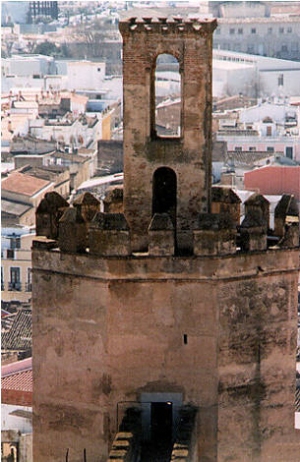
column 47, row 48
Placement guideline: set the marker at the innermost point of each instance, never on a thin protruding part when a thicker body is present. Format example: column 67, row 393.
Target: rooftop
column 13, row 208
column 17, row 376
column 20, row 183
column 19, row 336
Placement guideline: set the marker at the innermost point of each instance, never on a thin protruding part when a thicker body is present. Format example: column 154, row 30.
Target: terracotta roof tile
column 23, row 184
column 19, row 336
column 21, row 381
column 17, row 376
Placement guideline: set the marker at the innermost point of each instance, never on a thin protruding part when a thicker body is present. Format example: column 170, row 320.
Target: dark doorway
column 289, row 152
column 161, row 422
column 158, row 448
column 164, row 192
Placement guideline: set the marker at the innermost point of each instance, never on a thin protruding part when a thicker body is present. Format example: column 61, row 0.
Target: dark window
column 269, row 130
column 15, row 278
column 252, row 148
column 270, row 30
column 253, row 30
column 15, row 242
column 2, row 278
column 164, row 192
column 280, row 80
column 240, row 31
column 270, row 149
column 10, row 254
column 289, row 30
column 281, row 30
column 284, row 48
column 231, row 31
column 29, row 280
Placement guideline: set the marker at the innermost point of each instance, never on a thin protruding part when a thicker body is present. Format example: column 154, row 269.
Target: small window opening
column 185, row 339
column 167, row 97
column 280, row 80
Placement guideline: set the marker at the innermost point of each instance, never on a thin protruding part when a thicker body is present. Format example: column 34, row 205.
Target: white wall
column 85, row 75
column 10, row 422
column 269, row 82
column 256, row 113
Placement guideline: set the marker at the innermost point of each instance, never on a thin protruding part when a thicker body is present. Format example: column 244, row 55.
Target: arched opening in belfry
column 167, row 97
column 165, row 192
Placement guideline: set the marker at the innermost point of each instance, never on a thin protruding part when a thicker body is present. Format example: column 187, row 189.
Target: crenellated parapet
column 169, row 25
column 254, row 227
column 82, row 228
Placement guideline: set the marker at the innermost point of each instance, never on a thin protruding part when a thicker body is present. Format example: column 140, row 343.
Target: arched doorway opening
column 165, row 192
column 166, row 97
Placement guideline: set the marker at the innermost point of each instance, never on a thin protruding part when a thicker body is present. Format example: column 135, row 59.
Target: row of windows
column 251, row 48
column 252, row 149
column 15, row 279
column 253, row 30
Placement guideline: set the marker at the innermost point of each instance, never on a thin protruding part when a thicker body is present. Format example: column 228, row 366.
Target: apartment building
column 16, row 272
column 263, row 28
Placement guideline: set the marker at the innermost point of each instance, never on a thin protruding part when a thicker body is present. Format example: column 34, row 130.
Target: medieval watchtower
column 167, row 330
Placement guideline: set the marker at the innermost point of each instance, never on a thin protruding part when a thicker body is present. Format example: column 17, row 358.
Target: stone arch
column 166, row 109
column 164, row 197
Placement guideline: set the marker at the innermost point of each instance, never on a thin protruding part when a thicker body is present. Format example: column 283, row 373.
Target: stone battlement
column 167, row 25
column 83, row 228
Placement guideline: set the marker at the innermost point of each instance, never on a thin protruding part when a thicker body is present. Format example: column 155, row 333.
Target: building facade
column 16, row 270
column 173, row 329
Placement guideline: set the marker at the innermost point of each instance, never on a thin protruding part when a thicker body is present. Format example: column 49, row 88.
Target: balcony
column 14, row 286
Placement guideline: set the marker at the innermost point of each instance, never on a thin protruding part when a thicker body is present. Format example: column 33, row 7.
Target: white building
column 253, row 75
column 73, row 131
column 267, row 127
column 46, row 73
column 83, row 75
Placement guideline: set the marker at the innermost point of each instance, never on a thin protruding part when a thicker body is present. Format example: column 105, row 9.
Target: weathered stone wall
column 108, row 329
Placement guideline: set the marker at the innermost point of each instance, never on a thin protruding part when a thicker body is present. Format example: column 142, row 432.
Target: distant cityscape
column 62, row 132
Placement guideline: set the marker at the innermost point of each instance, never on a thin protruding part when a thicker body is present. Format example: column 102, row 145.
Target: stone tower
column 169, row 327
column 160, row 174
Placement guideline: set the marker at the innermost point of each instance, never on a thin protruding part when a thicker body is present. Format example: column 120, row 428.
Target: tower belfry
column 162, row 174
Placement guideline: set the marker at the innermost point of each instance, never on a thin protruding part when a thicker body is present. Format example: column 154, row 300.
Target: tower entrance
column 161, row 422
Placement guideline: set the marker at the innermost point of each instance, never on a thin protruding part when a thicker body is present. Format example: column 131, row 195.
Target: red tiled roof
column 20, row 382
column 16, row 383
column 17, row 375
column 23, row 184
column 274, row 180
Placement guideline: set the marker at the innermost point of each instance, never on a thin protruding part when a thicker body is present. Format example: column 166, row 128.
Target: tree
column 50, row 49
